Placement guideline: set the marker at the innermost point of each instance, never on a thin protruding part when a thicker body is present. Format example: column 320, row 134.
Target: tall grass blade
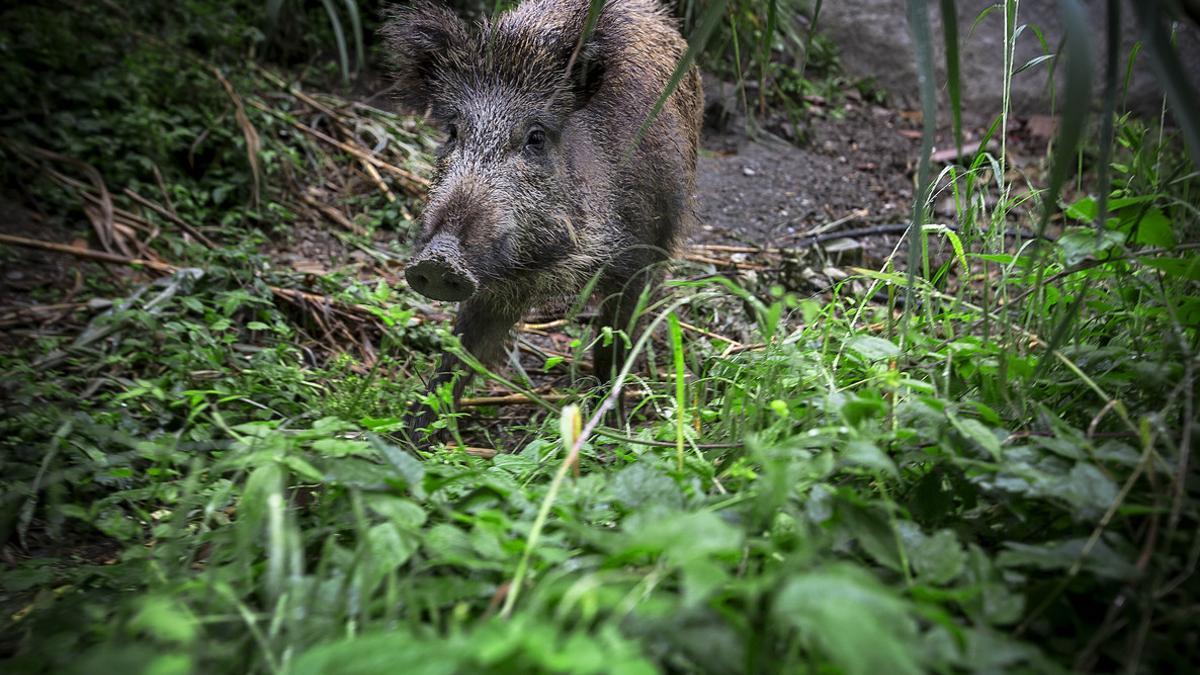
column 1111, row 66
column 764, row 55
column 356, row 31
column 918, row 23
column 570, row 426
column 808, row 39
column 1170, row 73
column 273, row 9
column 339, row 36
column 696, row 42
column 1077, row 90
column 589, row 27
column 680, row 398
column 953, row 85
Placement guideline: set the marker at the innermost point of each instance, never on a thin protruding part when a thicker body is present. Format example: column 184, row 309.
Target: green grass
column 993, row 473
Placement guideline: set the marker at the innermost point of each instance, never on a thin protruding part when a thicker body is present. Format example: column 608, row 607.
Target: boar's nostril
column 440, row 279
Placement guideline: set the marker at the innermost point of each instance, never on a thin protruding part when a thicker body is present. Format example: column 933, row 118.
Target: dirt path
column 767, row 191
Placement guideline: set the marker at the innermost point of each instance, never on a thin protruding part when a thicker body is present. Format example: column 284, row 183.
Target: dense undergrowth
column 988, row 471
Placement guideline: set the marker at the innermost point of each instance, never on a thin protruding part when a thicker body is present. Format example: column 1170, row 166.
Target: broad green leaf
column 641, row 484
column 682, row 537
column 867, row 454
column 1087, row 488
column 1154, row 229
column 264, row 481
column 872, row 529
column 1079, row 244
column 401, row 512
column 859, row 624
column 389, row 546
column 979, row 433
column 1102, row 560
column 1184, row 268
column 342, row 447
column 166, row 620
column 873, row 348
column 701, row 578
column 937, row 559
column 395, row 651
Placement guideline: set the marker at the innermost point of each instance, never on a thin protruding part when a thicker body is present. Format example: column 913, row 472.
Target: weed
column 202, row 467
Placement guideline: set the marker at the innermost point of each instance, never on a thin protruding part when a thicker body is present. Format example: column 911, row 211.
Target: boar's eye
column 451, row 133
column 535, row 140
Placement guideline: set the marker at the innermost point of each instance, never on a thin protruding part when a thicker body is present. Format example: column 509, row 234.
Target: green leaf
column 1102, row 560
column 844, row 613
column 873, row 348
column 681, row 537
column 303, row 469
column 263, row 482
column 640, row 483
column 1087, row 488
column 395, row 651
column 1183, row 268
column 938, row 559
column 866, row 453
column 1078, row 244
column 979, row 433
column 700, row 579
column 342, row 447
column 1154, row 229
column 401, row 512
column 389, row 546
column 872, row 529
column 164, row 619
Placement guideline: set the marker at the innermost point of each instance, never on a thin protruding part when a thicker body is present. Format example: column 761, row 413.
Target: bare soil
column 856, row 166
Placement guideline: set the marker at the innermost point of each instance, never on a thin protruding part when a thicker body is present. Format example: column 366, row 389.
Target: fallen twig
column 709, row 334
column 253, row 144
column 416, row 184
column 806, row 243
column 484, row 453
column 171, row 216
column 101, row 222
column 331, row 213
column 522, row 399
column 348, row 308
column 87, row 253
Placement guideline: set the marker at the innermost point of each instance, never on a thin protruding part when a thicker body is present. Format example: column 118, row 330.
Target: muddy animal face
column 505, row 197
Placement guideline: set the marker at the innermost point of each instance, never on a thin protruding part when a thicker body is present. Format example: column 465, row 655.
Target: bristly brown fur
column 594, row 199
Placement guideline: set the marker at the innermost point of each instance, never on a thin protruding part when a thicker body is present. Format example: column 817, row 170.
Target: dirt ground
column 856, row 166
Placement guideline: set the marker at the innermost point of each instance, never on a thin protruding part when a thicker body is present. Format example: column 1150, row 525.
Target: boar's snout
column 439, row 272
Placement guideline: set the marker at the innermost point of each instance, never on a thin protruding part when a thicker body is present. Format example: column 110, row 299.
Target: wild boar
column 560, row 164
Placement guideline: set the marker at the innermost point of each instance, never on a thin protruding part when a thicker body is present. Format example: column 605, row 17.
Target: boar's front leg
column 482, row 331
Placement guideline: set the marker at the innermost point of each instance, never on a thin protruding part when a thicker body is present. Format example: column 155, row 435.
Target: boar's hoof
column 440, row 275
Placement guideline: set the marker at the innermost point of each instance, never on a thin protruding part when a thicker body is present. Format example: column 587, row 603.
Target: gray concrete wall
column 874, row 40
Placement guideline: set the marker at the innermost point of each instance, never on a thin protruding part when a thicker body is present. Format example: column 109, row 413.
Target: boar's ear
column 422, row 39
column 586, row 73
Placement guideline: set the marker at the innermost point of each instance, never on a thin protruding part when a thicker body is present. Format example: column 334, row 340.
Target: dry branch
column 331, row 213
column 87, row 253
column 415, row 184
column 171, row 216
column 253, row 145
column 346, row 308
column 522, row 399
